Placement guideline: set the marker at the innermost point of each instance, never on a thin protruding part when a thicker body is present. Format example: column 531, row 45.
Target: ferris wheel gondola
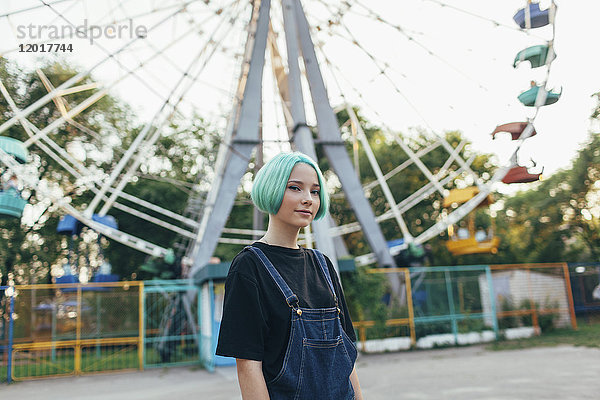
column 12, row 203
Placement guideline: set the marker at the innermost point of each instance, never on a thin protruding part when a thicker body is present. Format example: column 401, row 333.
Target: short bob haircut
column 271, row 181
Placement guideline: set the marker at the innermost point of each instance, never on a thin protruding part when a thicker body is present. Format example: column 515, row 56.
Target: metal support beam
column 221, row 198
column 337, row 155
column 302, row 137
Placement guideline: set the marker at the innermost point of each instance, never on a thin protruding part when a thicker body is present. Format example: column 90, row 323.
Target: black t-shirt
column 256, row 318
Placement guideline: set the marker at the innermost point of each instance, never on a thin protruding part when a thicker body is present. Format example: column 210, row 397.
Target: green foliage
column 471, row 324
column 98, row 136
column 554, row 220
column 546, row 320
column 390, row 155
column 364, row 294
column 558, row 218
column 587, row 335
column 596, row 112
column 509, row 321
column 432, row 328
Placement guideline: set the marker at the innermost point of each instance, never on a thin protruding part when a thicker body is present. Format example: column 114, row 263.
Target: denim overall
column 320, row 356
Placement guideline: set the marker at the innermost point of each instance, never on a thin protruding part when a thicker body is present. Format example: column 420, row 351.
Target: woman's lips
column 305, row 212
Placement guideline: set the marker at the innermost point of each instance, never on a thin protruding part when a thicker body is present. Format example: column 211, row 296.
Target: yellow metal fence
column 75, row 329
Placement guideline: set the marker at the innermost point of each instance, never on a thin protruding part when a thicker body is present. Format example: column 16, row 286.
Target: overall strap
column 290, row 298
column 323, row 265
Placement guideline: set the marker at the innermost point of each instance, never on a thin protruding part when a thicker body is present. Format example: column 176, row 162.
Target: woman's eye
column 293, row 187
column 316, row 192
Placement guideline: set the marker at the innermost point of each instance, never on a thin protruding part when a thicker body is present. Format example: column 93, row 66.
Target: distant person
column 12, row 183
column 480, row 235
column 285, row 318
column 596, row 293
column 462, row 232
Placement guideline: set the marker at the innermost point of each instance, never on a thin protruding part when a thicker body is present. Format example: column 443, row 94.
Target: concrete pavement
column 466, row 373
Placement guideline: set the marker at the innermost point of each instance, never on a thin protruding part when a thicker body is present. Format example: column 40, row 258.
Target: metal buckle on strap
column 292, row 301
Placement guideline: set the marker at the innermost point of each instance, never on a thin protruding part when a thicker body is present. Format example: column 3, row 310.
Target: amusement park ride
column 303, row 92
column 537, row 96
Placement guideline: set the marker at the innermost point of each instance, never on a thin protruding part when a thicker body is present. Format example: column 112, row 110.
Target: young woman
column 285, row 318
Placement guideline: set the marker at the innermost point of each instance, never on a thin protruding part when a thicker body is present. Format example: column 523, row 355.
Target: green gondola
column 528, row 97
column 536, row 55
column 15, row 148
column 11, row 204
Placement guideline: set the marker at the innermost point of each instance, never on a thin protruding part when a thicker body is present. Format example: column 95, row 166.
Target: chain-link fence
column 533, row 295
column 585, row 285
column 6, row 332
column 172, row 331
column 440, row 306
column 72, row 329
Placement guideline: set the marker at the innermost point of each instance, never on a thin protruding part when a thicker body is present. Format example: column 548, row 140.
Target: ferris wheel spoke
column 412, row 39
column 419, row 195
column 382, row 180
column 428, row 189
column 85, row 178
column 404, row 206
column 27, row 9
column 496, row 23
column 122, row 237
column 157, row 123
column 422, row 152
column 82, row 106
column 78, row 77
column 33, row 131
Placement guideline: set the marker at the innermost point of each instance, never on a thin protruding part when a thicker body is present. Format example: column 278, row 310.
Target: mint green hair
column 271, row 181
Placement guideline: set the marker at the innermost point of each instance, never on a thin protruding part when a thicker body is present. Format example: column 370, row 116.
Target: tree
column 167, row 175
column 556, row 219
column 389, row 155
column 33, row 248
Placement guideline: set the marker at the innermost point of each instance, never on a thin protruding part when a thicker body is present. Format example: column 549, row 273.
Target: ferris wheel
column 245, row 65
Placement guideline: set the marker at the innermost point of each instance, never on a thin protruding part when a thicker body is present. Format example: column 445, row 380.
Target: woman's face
column 301, row 199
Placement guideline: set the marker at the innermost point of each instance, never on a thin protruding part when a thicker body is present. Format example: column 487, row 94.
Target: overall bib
column 320, row 356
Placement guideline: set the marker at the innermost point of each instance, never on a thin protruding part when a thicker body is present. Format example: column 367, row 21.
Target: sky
column 446, row 68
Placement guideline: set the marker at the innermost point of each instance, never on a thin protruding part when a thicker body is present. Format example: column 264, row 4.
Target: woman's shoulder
column 330, row 269
column 245, row 264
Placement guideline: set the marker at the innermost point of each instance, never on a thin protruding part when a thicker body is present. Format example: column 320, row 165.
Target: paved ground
column 462, row 373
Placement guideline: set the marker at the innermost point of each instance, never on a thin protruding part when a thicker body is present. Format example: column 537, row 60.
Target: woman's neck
column 284, row 236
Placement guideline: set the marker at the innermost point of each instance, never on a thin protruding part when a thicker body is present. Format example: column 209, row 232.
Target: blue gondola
column 537, row 17
column 69, row 225
column 107, row 220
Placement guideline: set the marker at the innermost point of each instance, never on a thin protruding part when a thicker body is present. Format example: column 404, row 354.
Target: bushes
column 364, row 296
column 546, row 319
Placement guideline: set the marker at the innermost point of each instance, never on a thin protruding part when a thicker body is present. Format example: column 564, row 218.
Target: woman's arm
column 356, row 385
column 252, row 381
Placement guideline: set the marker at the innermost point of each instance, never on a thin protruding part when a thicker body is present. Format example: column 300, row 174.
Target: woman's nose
column 306, row 199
